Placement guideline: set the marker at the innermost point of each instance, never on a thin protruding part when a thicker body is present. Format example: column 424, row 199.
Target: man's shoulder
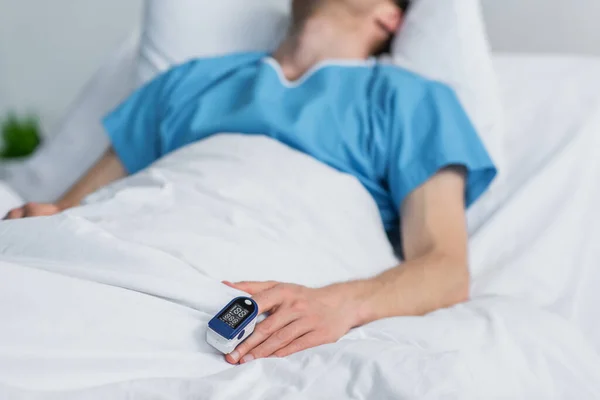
column 233, row 58
column 400, row 79
column 396, row 84
column 400, row 73
column 226, row 61
column 198, row 73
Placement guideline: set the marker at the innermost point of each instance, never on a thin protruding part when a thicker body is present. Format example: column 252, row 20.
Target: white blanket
column 111, row 300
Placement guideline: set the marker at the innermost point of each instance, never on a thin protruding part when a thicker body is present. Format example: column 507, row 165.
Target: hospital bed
column 532, row 324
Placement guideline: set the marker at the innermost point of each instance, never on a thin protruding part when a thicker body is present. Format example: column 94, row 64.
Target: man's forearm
column 417, row 287
column 107, row 170
column 303, row 317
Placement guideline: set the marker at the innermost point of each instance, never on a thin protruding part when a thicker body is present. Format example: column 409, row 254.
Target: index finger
column 269, row 299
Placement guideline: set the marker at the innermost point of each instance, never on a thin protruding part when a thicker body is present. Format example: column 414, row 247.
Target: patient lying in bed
column 405, row 138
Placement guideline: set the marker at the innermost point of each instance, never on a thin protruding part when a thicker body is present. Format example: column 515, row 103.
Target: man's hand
column 33, row 210
column 300, row 318
column 107, row 170
column 434, row 275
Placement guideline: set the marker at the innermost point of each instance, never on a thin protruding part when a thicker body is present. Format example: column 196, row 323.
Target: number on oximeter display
column 234, row 315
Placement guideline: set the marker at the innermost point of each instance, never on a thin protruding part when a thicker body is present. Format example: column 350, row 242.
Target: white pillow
column 176, row 31
column 446, row 40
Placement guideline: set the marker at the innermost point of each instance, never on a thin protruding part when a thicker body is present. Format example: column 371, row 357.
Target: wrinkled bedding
column 111, row 300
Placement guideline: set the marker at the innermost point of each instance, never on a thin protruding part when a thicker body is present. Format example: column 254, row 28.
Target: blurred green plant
column 20, row 136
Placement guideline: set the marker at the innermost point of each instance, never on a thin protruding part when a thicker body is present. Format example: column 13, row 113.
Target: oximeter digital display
column 232, row 325
column 235, row 315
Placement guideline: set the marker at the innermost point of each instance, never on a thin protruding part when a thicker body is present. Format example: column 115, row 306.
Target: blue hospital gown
column 388, row 127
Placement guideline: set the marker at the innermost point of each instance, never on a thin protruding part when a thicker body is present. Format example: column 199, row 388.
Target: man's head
column 375, row 21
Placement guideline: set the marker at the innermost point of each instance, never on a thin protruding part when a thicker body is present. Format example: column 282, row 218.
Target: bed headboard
column 544, row 25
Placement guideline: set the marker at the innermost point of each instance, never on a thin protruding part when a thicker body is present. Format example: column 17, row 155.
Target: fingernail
column 235, row 355
column 247, row 358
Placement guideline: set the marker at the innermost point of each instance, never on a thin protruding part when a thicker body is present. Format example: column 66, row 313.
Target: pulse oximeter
column 232, row 325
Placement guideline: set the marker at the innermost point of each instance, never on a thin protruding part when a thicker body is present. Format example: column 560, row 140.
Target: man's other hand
column 33, row 210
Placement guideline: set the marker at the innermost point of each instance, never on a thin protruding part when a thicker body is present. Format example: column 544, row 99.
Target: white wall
column 566, row 26
column 49, row 49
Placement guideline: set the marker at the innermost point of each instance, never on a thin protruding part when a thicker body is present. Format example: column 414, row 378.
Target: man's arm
column 132, row 128
column 107, row 170
column 435, row 275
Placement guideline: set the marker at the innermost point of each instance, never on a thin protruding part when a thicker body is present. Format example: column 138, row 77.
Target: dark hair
column 387, row 46
column 403, row 4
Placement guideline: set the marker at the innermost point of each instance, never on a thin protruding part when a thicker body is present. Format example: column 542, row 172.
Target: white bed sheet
column 117, row 294
column 101, row 303
column 548, row 100
column 552, row 102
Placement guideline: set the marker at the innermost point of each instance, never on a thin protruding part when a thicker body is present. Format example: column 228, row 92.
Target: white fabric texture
column 446, row 41
column 111, row 300
column 553, row 113
column 176, row 31
column 547, row 99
